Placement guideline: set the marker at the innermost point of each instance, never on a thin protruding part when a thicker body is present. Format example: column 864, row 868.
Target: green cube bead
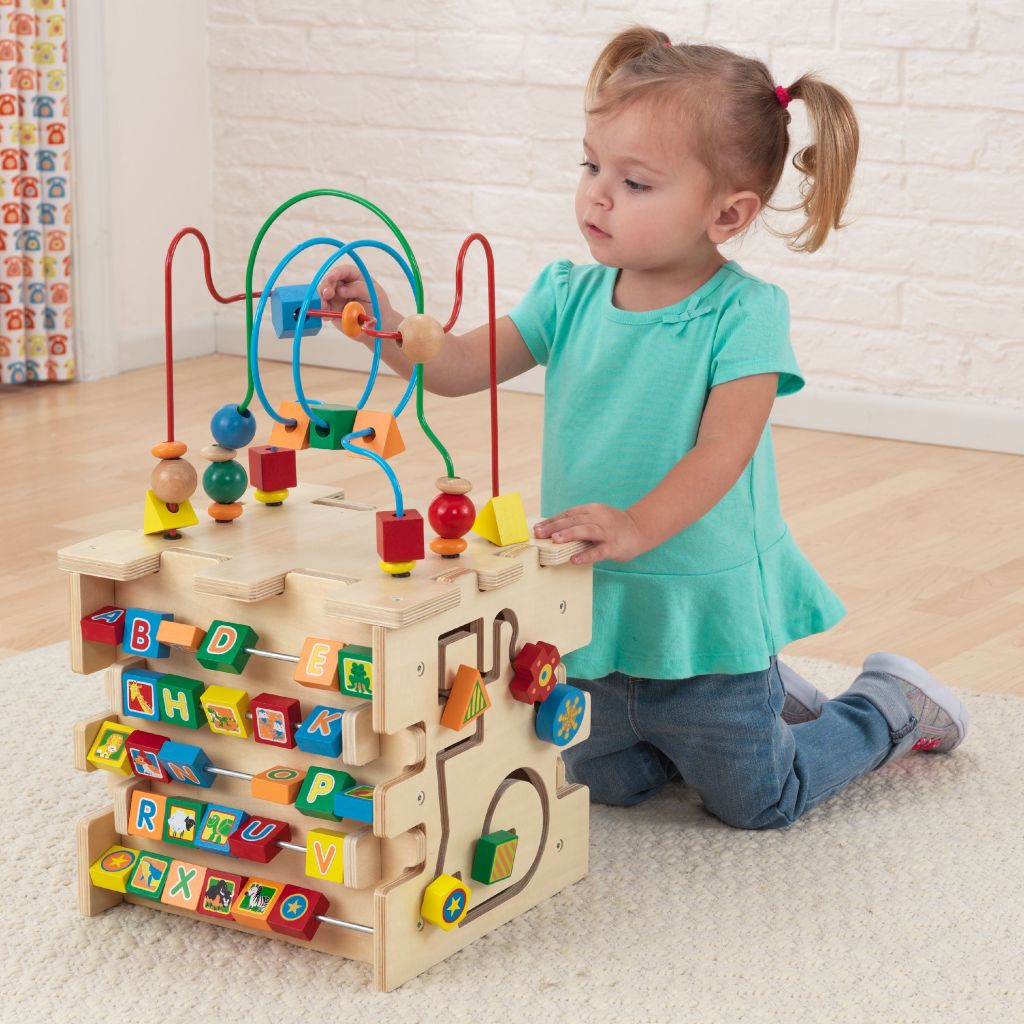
column 179, row 701
column 319, row 788
column 355, row 671
column 494, row 857
column 182, row 820
column 224, row 647
column 341, row 420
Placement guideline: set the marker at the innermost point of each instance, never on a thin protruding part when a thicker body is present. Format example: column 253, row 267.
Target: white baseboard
column 896, row 417
column 191, row 339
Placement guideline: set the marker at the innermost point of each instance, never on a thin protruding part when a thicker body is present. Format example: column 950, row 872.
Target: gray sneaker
column 941, row 715
column 803, row 699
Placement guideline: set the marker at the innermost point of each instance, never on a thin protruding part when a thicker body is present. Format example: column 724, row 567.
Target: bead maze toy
column 384, row 745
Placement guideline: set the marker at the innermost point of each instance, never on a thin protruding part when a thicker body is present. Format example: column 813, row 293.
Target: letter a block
column 105, row 626
column 224, row 647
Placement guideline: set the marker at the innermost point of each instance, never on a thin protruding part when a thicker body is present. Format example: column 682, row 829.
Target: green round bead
column 225, row 482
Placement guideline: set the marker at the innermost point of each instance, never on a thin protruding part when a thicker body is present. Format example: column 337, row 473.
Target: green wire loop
column 244, row 405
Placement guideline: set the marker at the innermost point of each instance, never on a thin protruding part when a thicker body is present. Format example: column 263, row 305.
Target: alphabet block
column 318, row 663
column 356, row 668
column 147, row 814
column 219, row 891
column 111, row 871
column 181, row 824
column 186, row 763
column 109, row 748
column 255, row 901
column 140, row 630
column 321, row 785
column 296, row 913
column 180, row 701
column 184, row 886
column 279, row 784
column 217, row 825
column 258, row 839
column 324, row 854
column 224, row 647
column 180, row 635
column 320, row 732
column 104, row 626
column 355, row 803
column 149, row 875
column 275, row 719
column 140, row 691
column 226, row 709
column 144, row 755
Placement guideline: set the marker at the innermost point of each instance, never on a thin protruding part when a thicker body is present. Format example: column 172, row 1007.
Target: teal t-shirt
column 624, row 395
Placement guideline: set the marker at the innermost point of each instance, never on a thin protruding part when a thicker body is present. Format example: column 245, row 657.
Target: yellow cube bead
column 226, row 710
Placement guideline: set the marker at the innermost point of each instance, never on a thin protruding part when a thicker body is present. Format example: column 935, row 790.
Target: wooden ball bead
column 422, row 337
column 169, row 449
column 173, row 481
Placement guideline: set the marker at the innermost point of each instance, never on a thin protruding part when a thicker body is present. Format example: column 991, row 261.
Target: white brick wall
column 464, row 115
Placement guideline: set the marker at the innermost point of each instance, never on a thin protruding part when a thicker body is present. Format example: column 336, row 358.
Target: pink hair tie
column 782, row 95
column 668, row 44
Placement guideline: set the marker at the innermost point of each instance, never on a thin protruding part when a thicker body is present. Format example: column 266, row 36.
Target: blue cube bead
column 186, row 763
column 320, row 732
column 285, row 304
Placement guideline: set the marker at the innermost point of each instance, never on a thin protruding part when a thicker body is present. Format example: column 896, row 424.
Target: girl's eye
column 635, row 186
column 590, row 166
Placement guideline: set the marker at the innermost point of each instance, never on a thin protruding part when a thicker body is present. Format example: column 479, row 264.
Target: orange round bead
column 224, row 513
column 173, row 480
column 422, row 337
column 169, row 449
column 350, row 319
column 448, row 547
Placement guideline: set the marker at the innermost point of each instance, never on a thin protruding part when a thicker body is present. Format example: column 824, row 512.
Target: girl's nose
column 597, row 193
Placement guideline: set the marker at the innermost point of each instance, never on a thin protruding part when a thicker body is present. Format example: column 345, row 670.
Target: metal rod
column 293, row 658
column 351, row 925
column 291, row 846
column 233, row 774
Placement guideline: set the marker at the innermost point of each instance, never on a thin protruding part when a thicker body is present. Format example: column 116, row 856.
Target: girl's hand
column 343, row 283
column 614, row 533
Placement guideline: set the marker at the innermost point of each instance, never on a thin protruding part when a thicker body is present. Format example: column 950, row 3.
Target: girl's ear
column 734, row 214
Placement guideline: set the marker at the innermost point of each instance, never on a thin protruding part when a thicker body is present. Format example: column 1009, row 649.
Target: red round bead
column 451, row 515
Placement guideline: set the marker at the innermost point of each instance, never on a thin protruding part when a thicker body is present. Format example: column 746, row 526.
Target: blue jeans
column 724, row 737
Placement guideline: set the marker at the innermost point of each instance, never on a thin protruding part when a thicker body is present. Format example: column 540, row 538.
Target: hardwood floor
column 923, row 544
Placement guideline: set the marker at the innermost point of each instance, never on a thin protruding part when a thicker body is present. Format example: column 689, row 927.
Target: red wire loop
column 168, row 332
column 492, row 338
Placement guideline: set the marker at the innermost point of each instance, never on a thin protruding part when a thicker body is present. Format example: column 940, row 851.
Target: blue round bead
column 560, row 717
column 231, row 428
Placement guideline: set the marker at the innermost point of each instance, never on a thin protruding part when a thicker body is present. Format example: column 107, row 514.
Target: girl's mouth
column 596, row 232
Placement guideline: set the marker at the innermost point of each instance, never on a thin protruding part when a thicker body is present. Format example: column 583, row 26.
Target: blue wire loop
column 348, row 249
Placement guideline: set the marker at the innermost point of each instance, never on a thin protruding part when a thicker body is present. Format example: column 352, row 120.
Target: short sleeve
column 536, row 315
column 753, row 337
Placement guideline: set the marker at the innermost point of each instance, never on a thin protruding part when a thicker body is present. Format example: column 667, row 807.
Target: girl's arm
column 462, row 367
column 730, row 431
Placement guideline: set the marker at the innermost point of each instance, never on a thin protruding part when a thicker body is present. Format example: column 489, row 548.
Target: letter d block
column 224, row 647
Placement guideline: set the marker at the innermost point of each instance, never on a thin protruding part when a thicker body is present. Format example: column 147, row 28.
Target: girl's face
column 644, row 201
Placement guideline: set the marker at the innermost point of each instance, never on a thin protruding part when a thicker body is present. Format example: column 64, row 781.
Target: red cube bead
column 258, row 839
column 275, row 719
column 272, row 468
column 297, row 912
column 400, row 539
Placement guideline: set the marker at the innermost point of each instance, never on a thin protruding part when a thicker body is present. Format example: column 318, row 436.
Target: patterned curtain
column 35, row 202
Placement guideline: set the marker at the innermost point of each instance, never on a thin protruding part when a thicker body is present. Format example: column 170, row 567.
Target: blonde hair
column 740, row 126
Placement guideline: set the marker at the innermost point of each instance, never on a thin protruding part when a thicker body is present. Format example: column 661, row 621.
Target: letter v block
column 324, row 858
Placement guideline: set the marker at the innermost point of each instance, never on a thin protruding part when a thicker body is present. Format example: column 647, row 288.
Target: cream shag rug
column 900, row 900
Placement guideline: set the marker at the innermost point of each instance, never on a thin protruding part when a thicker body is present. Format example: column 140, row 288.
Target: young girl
column 663, row 360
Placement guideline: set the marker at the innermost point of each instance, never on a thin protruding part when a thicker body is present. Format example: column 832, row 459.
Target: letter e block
column 318, row 663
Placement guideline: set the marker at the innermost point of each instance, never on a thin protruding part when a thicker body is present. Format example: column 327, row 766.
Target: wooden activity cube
column 308, row 569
